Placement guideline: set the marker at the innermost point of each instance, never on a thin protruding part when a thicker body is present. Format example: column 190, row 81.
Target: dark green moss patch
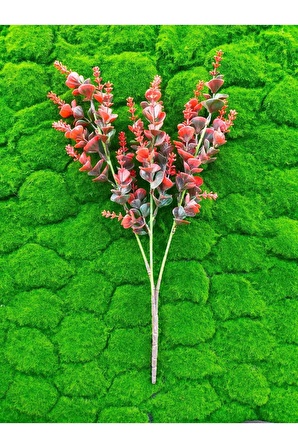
column 282, row 366
column 29, row 42
column 82, row 236
column 44, row 199
column 280, row 46
column 139, row 38
column 282, row 320
column 237, row 253
column 187, row 323
column 13, row 172
column 23, row 84
column 280, row 189
column 38, row 308
column 191, row 362
column 81, row 187
column 185, row 403
column 130, row 307
column 233, row 296
column 31, row 395
column 81, row 380
column 247, row 385
column 282, row 406
column 76, row 298
column 128, row 349
column 233, row 413
column 122, row 415
column 6, row 375
column 36, row 267
column 131, row 388
column 281, row 103
column 81, row 337
column 7, row 284
column 184, row 280
column 74, row 410
column 30, row 351
column 243, row 340
column 6, row 122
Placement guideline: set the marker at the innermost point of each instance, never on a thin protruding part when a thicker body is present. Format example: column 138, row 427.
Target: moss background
column 74, row 299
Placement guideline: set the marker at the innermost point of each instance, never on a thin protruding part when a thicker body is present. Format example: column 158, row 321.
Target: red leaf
column 214, row 84
column 92, row 145
column 66, row 111
column 87, row 91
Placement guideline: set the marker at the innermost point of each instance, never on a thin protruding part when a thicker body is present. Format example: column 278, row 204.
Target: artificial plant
column 152, row 171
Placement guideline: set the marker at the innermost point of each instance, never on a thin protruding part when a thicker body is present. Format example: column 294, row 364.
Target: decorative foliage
column 151, row 171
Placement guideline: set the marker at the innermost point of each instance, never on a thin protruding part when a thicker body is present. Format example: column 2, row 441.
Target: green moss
column 280, row 190
column 200, row 232
column 13, row 173
column 30, row 351
column 237, row 253
column 116, row 262
column 81, row 337
column 139, row 38
column 12, row 233
column 7, row 284
column 184, row 280
column 267, row 142
column 186, row 323
column 31, row 395
column 279, row 282
column 81, row 380
column 189, row 362
column 130, row 307
column 233, row 413
column 131, row 389
column 282, row 406
column 43, row 150
column 6, row 375
column 81, row 237
column 6, row 121
column 282, row 366
column 87, row 291
column 30, row 120
column 247, row 385
column 243, row 340
column 122, row 69
column 187, row 402
column 281, row 103
column 38, row 308
column 89, row 37
column 175, row 98
column 285, row 240
column 282, row 320
column 242, row 65
column 233, row 296
column 33, row 266
column 238, row 213
column 82, row 188
column 128, row 349
column 248, row 104
column 29, row 42
column 122, row 415
column 23, row 84
column 74, row 410
column 44, row 199
column 280, row 46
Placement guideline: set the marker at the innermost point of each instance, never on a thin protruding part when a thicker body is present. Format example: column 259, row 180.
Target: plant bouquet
column 151, row 171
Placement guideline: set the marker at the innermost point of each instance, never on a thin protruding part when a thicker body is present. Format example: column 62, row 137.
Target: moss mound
column 76, row 410
column 30, row 351
column 281, row 103
column 282, row 406
column 187, row 323
column 233, row 413
column 81, row 337
column 282, row 320
column 12, row 233
column 23, row 84
column 32, row 396
column 282, row 366
column 39, row 308
column 44, row 198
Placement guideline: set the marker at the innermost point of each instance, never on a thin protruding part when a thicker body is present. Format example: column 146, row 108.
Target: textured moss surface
column 75, row 331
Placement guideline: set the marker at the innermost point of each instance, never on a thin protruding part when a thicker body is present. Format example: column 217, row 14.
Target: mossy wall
column 74, row 298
